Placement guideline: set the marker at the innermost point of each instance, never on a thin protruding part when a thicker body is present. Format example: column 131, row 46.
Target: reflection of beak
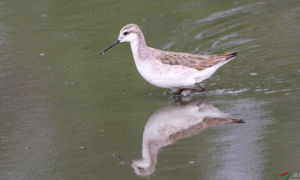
column 110, row 46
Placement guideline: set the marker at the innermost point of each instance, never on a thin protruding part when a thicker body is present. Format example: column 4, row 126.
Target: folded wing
column 199, row 62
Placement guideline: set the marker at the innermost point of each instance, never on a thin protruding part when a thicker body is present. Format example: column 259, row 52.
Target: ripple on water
column 218, row 92
column 279, row 91
column 229, row 12
column 228, row 91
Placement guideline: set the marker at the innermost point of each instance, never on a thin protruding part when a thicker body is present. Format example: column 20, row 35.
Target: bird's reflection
column 173, row 122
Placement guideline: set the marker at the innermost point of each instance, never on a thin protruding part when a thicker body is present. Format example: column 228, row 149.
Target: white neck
column 135, row 49
column 139, row 48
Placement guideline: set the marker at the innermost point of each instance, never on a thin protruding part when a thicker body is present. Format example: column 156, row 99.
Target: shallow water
column 68, row 113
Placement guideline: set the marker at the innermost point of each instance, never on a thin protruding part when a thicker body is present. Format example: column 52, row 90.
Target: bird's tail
column 230, row 55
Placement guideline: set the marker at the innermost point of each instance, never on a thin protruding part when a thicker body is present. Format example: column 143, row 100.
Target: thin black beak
column 110, row 46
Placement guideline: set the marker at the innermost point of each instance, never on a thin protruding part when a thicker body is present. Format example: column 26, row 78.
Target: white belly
column 167, row 76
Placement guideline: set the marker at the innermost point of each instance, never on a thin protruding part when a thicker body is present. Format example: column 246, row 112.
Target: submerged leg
column 180, row 90
column 201, row 86
column 177, row 94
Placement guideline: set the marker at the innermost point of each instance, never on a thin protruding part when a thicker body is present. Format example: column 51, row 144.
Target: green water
column 65, row 111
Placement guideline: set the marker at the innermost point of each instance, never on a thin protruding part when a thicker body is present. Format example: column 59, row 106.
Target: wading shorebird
column 174, row 70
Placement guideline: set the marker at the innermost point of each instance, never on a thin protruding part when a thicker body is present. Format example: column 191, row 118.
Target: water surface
column 68, row 113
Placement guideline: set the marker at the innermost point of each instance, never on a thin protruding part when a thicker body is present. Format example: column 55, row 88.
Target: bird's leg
column 180, row 90
column 177, row 94
column 202, row 87
column 177, row 99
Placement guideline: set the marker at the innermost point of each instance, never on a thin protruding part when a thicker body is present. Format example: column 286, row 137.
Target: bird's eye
column 125, row 33
column 140, row 168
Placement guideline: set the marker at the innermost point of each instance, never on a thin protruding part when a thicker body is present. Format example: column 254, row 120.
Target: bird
column 177, row 71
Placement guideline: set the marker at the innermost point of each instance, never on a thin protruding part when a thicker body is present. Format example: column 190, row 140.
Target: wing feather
column 199, row 62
